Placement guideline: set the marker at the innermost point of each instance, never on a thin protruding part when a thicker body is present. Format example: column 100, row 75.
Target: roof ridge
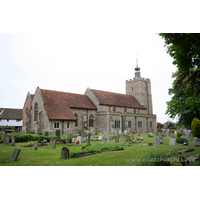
column 111, row 92
column 62, row 92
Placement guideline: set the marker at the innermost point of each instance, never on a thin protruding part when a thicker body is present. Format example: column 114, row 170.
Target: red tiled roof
column 58, row 104
column 116, row 99
column 11, row 113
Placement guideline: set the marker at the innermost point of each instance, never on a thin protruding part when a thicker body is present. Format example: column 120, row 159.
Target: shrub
column 193, row 126
column 197, row 128
column 30, row 132
column 8, row 127
column 58, row 133
column 24, row 137
column 179, row 134
column 46, row 133
column 128, row 139
column 180, row 140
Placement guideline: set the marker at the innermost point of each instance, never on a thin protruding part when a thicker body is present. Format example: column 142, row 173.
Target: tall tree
column 184, row 48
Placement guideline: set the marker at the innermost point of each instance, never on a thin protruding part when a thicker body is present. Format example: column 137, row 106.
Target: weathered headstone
column 197, row 141
column 14, row 155
column 172, row 141
column 150, row 143
column 185, row 142
column 190, row 136
column 116, row 139
column 3, row 137
column 115, row 131
column 73, row 141
column 84, row 139
column 7, row 139
column 100, row 134
column 187, row 134
column 126, row 132
column 120, row 131
column 51, row 140
column 13, row 140
column 103, row 140
column 172, row 134
column 100, row 137
column 167, row 132
column 93, row 133
column 53, row 145
column 65, row 152
column 194, row 139
column 34, row 147
column 157, row 134
column 157, row 141
column 122, row 138
column 108, row 138
column 79, row 139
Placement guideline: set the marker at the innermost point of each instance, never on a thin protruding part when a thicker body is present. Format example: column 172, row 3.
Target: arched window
column 36, row 112
column 76, row 122
column 117, row 123
column 91, row 119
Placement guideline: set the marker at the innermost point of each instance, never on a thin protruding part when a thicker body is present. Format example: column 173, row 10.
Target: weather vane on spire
column 137, row 69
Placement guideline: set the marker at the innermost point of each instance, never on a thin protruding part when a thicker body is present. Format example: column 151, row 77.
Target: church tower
column 140, row 88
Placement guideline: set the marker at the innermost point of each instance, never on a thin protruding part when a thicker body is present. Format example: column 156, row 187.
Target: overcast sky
column 82, row 44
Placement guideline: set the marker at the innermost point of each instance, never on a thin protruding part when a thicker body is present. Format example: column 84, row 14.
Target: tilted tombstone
column 172, row 141
column 198, row 142
column 7, row 139
column 53, row 145
column 65, row 152
column 194, row 139
column 116, row 139
column 157, row 134
column 34, row 147
column 14, row 155
column 190, row 136
column 122, row 138
column 157, row 141
column 13, row 140
column 108, row 138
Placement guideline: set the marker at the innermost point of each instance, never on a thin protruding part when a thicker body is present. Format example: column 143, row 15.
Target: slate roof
column 58, row 104
column 11, row 113
column 116, row 99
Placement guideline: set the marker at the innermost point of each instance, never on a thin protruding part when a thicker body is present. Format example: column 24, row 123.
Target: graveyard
column 112, row 150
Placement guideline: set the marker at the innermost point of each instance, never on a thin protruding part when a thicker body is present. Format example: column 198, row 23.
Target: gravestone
column 115, row 131
column 163, row 135
column 125, row 131
column 108, row 138
column 187, row 134
column 172, row 141
column 73, row 141
column 84, row 139
column 116, row 139
column 13, row 140
column 172, row 134
column 103, row 140
column 51, row 140
column 93, row 133
column 100, row 134
column 34, row 147
column 120, row 131
column 190, row 136
column 194, row 139
column 132, row 137
column 100, row 137
column 79, row 139
column 14, row 155
column 157, row 141
column 3, row 137
column 53, row 145
column 7, row 139
column 150, row 143
column 198, row 142
column 122, row 138
column 167, row 132
column 65, row 152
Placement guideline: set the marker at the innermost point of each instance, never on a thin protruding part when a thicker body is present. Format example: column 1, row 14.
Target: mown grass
column 45, row 156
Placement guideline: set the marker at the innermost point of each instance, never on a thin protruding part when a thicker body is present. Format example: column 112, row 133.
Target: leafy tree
column 159, row 125
column 184, row 48
column 170, row 125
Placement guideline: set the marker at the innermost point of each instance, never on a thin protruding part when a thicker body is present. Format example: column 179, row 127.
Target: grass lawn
column 45, row 156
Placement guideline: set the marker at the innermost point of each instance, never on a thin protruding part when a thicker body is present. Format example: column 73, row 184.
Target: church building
column 49, row 110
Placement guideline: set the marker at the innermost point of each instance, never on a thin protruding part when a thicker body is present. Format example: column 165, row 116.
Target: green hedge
column 8, row 127
column 24, row 137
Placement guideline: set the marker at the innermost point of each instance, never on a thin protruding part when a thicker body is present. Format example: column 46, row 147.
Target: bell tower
column 140, row 88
